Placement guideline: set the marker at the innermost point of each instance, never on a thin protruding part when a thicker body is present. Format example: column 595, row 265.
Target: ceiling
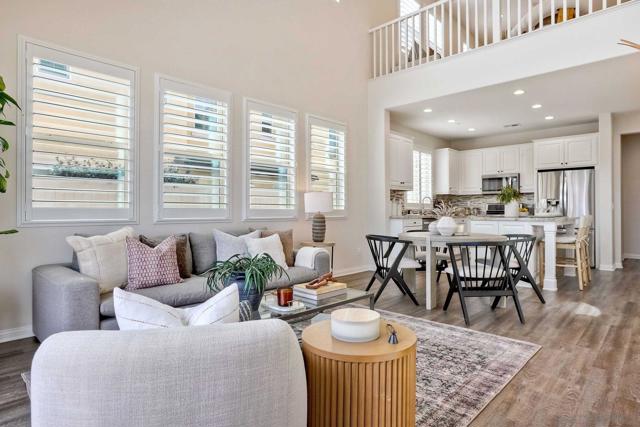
column 571, row 96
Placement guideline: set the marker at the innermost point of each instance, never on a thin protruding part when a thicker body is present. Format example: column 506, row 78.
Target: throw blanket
column 306, row 257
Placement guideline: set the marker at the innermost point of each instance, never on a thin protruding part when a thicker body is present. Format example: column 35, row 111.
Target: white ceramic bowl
column 355, row 325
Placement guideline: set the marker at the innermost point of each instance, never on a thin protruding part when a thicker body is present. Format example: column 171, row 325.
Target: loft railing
column 450, row 27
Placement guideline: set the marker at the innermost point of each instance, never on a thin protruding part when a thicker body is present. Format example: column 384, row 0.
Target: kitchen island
column 538, row 226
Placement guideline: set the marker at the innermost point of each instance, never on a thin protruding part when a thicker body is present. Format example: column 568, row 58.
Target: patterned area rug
column 459, row 371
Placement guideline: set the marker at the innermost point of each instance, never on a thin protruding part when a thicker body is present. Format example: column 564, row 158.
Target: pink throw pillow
column 150, row 267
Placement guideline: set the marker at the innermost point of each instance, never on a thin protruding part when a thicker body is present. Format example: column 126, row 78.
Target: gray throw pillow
column 228, row 245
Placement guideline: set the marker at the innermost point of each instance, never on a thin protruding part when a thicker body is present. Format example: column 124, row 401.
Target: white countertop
column 528, row 218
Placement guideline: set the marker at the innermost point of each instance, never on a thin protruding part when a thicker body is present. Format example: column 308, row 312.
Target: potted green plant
column 510, row 197
column 250, row 273
column 5, row 99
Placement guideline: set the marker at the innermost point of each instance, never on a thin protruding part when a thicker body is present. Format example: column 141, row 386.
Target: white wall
column 630, row 196
column 522, row 137
column 310, row 56
column 424, row 141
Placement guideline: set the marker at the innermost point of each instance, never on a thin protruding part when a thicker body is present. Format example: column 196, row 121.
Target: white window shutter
column 79, row 138
column 271, row 171
column 194, row 150
column 327, row 159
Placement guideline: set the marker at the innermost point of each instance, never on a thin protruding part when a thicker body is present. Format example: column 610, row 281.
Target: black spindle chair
column 481, row 269
column 523, row 245
column 387, row 253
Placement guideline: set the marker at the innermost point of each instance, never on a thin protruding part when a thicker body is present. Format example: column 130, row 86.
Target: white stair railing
column 451, row 27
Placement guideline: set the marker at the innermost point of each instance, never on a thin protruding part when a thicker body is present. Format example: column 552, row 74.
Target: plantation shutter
column 79, row 138
column 327, row 159
column 422, row 177
column 271, row 133
column 194, row 169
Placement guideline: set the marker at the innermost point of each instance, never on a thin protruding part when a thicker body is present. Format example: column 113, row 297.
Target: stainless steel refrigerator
column 569, row 192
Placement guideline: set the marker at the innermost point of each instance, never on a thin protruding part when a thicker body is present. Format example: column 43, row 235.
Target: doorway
column 630, row 195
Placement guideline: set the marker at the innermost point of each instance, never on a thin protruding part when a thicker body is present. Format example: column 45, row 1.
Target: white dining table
column 433, row 241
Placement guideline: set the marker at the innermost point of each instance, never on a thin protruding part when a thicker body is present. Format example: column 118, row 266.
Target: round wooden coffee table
column 370, row 384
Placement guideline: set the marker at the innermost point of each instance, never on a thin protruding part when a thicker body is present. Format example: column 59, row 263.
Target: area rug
column 459, row 371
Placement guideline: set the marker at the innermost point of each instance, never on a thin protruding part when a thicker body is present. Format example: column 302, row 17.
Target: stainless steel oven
column 493, row 184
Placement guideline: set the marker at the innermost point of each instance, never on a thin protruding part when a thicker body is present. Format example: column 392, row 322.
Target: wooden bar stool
column 579, row 243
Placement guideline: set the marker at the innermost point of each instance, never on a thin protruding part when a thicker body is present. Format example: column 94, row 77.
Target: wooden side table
column 321, row 245
column 360, row 384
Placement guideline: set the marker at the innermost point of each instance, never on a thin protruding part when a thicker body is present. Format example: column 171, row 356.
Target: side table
column 321, row 245
column 355, row 384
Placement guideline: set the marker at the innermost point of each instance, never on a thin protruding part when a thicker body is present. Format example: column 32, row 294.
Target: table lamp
column 317, row 203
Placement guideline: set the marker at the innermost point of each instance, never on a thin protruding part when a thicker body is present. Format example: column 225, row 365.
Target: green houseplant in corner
column 5, row 99
column 250, row 273
column 510, row 197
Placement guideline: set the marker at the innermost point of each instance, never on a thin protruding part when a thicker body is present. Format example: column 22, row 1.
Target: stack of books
column 315, row 296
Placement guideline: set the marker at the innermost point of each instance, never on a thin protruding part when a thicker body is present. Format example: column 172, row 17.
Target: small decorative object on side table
column 318, row 203
column 325, row 245
column 370, row 384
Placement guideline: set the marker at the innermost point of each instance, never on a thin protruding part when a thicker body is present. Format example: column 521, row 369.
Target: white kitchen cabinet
column 581, row 150
column 400, row 163
column 471, row 171
column 446, row 171
column 484, row 227
column 401, row 225
column 566, row 152
column 527, row 171
column 500, row 160
column 513, row 227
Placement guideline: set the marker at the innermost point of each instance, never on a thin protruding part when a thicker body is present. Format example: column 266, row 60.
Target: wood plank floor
column 587, row 373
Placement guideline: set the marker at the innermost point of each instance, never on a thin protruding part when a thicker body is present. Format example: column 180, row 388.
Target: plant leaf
column 2, row 85
column 7, row 123
column 3, row 184
column 4, row 145
column 6, row 97
column 8, row 231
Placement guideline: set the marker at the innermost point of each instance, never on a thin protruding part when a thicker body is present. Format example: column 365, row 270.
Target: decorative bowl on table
column 355, row 325
column 447, row 226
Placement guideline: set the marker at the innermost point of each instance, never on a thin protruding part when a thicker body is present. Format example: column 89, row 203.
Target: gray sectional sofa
column 66, row 300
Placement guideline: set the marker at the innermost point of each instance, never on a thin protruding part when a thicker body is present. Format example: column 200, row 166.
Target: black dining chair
column 523, row 246
column 481, row 269
column 387, row 253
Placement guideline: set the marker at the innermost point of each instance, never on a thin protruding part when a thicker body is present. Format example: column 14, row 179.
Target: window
column 327, row 162
column 411, row 29
column 271, row 146
column 79, row 138
column 193, row 156
column 421, row 177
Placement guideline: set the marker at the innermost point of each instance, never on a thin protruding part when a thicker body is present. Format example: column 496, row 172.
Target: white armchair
column 249, row 373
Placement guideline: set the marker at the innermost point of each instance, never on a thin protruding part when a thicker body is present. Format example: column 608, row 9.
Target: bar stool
column 579, row 243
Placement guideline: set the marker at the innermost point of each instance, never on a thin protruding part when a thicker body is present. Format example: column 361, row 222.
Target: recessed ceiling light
column 518, row 92
column 549, row 118
column 451, row 121
column 427, row 110
column 536, row 106
column 471, row 129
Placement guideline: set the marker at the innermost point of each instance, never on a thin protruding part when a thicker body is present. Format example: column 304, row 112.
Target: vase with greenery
column 5, row 99
column 510, row 197
column 250, row 273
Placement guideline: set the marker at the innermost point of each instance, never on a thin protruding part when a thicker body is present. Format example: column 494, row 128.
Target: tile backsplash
column 479, row 200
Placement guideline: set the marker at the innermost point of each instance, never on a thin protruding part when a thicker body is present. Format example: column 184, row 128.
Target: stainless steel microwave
column 493, row 184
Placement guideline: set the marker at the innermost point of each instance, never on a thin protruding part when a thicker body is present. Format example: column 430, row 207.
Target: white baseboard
column 630, row 256
column 350, row 270
column 619, row 265
column 16, row 333
column 607, row 267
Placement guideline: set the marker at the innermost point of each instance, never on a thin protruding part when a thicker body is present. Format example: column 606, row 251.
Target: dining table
column 431, row 242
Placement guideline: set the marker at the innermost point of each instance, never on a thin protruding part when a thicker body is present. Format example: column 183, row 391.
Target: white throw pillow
column 228, row 245
column 135, row 311
column 271, row 245
column 103, row 258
